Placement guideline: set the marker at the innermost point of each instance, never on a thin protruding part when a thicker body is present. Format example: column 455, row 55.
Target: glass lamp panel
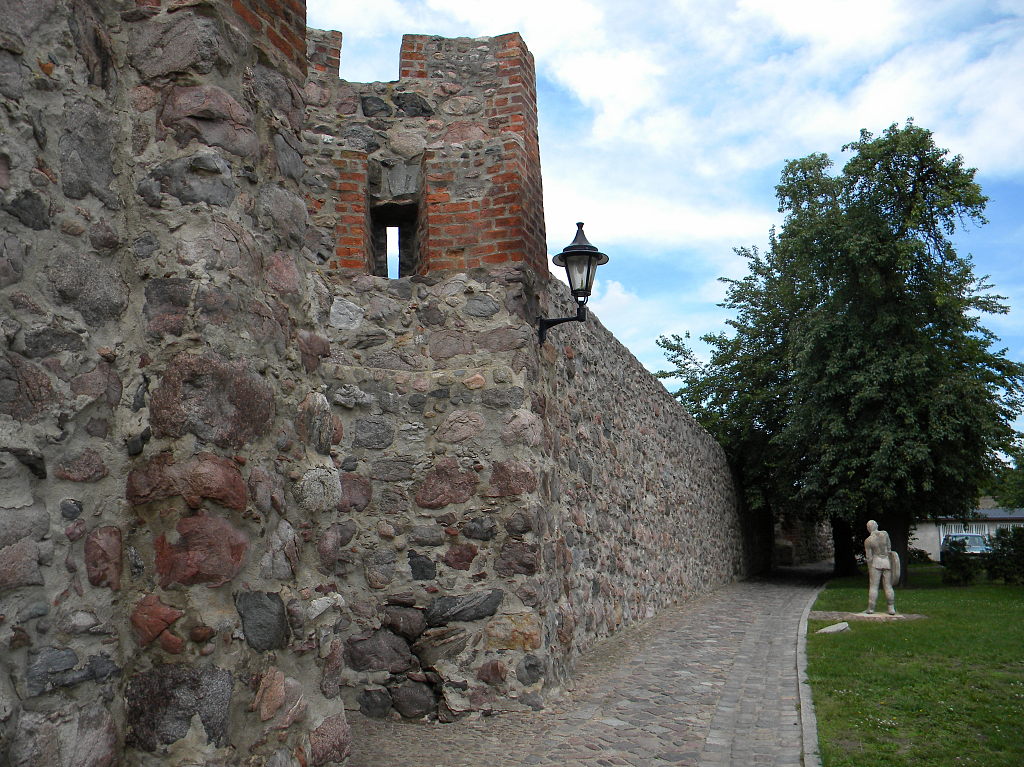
column 581, row 278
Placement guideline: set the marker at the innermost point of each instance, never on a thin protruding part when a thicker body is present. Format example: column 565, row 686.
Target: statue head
column 872, row 525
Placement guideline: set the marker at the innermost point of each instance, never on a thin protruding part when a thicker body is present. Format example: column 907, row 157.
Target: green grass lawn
column 944, row 690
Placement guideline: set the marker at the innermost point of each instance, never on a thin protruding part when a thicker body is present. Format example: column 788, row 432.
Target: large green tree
column 857, row 380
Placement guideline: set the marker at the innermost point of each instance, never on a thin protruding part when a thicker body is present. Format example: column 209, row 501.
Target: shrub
column 960, row 568
column 918, row 556
column 1006, row 561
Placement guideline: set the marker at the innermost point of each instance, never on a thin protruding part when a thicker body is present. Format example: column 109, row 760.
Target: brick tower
column 448, row 155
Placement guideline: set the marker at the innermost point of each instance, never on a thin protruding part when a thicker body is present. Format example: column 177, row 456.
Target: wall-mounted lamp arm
column 544, row 323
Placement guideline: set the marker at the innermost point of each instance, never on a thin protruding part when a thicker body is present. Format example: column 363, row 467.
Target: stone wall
column 245, row 476
column 154, row 288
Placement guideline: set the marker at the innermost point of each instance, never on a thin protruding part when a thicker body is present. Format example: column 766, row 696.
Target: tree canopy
column 857, row 380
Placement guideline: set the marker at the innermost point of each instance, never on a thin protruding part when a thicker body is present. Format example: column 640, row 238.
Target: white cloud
column 832, row 28
column 618, row 214
column 637, row 322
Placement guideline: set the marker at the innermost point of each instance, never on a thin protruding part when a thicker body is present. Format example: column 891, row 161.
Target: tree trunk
column 842, row 542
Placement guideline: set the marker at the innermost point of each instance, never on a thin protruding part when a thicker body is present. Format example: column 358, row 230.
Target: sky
column 664, row 124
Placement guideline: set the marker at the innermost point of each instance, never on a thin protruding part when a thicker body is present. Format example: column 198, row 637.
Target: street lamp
column 580, row 260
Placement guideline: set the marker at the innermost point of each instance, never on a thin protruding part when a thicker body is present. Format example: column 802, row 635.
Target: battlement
column 448, row 155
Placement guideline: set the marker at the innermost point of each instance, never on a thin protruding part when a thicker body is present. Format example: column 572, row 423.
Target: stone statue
column 883, row 565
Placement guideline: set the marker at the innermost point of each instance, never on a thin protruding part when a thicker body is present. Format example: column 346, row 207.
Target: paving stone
column 709, row 682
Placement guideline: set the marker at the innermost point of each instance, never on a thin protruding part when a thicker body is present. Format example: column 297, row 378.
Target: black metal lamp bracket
column 543, row 323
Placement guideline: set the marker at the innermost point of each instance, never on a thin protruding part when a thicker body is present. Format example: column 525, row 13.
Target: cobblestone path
column 709, row 683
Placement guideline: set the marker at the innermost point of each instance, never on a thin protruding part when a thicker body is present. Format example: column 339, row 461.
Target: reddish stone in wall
column 517, row 558
column 356, row 492
column 19, row 565
column 210, row 550
column 312, row 348
column 460, row 556
column 103, row 557
column 206, row 476
column 101, row 381
column 86, row 466
column 511, row 478
column 331, row 741
column 151, row 618
column 26, row 392
column 218, row 401
column 446, row 484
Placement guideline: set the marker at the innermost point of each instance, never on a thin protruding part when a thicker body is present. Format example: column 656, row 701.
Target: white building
column 928, row 535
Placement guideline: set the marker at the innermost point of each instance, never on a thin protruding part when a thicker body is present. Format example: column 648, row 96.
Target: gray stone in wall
column 276, row 93
column 361, row 138
column 374, row 106
column 426, row 535
column 67, row 736
column 394, row 469
column 29, row 208
column 161, row 702
column 480, row 528
column 176, row 43
column 413, row 700
column 345, row 315
column 91, row 285
column 440, row 643
column 319, row 490
column 422, row 568
column 373, row 432
column 264, row 620
column 12, row 260
column 411, row 104
column 145, row 245
column 203, row 177
column 379, row 650
column 503, row 397
column 86, row 149
column 26, row 16
column 12, row 76
column 374, row 702
column 289, row 160
column 530, row 670
column 482, row 305
column 379, row 568
column 282, row 212
column 51, row 667
column 26, row 522
column 468, row 607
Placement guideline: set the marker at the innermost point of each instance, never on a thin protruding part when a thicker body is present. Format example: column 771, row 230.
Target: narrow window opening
column 394, row 239
column 392, row 253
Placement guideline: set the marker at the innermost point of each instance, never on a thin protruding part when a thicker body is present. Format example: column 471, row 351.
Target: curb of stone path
column 808, row 721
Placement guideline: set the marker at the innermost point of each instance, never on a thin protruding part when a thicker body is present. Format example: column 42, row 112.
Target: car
column 974, row 543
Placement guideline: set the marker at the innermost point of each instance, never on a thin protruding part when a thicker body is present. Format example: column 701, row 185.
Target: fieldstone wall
column 244, row 483
column 800, row 542
column 158, row 483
